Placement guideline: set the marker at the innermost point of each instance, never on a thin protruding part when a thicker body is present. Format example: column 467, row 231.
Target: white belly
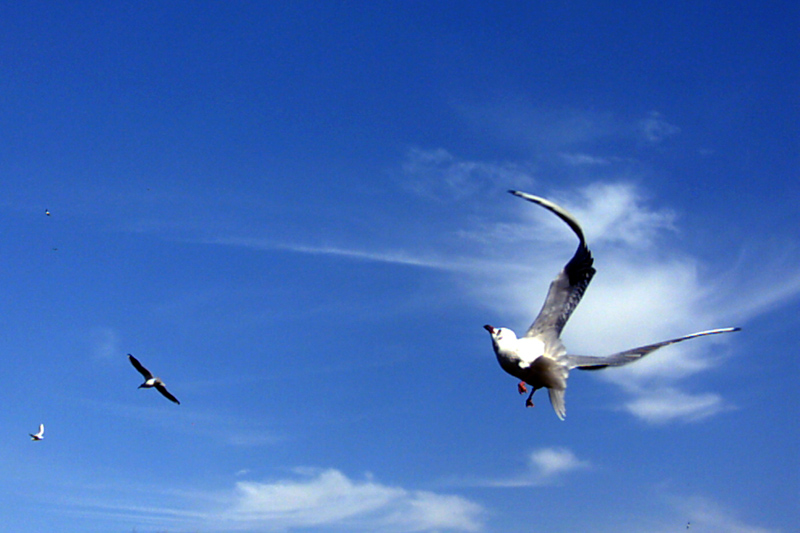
column 528, row 349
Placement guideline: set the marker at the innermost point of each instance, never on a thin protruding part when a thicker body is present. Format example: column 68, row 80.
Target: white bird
column 539, row 358
column 151, row 381
column 40, row 435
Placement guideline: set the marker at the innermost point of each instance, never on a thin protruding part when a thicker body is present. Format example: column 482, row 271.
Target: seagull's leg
column 529, row 401
column 522, row 388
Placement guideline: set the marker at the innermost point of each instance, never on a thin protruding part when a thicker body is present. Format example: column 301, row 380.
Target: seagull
column 539, row 358
column 40, row 435
column 151, row 381
column 47, row 212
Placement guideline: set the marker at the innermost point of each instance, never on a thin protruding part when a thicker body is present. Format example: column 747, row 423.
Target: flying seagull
column 539, row 358
column 40, row 435
column 151, row 381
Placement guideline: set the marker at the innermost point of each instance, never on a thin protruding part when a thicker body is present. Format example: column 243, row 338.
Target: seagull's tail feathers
column 588, row 362
column 557, row 401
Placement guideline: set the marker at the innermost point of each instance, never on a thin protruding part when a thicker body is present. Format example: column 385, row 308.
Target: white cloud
column 325, row 500
column 328, row 497
column 545, row 466
column 618, row 214
column 655, row 129
column 666, row 404
column 549, row 462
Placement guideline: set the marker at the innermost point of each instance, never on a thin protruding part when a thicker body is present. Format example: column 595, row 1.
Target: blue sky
column 295, row 214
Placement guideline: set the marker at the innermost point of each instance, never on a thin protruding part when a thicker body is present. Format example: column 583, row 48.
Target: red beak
column 489, row 328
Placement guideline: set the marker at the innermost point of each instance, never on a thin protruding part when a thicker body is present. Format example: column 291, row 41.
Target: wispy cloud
column 329, row 497
column 546, row 466
column 397, row 257
column 667, row 404
column 519, row 121
column 570, row 132
column 580, row 159
column 104, row 342
column 439, row 175
column 655, row 129
column 326, row 500
column 705, row 514
column 388, row 256
column 667, row 513
column 549, row 462
column 211, row 425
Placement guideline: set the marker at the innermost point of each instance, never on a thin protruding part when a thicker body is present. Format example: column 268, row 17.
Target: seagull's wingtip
column 725, row 330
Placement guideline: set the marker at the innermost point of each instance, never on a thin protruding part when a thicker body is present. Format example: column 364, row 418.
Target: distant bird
column 539, row 358
column 40, row 435
column 151, row 381
column 47, row 212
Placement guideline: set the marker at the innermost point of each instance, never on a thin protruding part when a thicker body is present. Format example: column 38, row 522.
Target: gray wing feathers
column 588, row 362
column 567, row 289
column 562, row 213
column 565, row 294
column 163, row 390
column 138, row 366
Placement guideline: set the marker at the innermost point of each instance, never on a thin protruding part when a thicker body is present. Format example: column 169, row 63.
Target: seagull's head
column 502, row 338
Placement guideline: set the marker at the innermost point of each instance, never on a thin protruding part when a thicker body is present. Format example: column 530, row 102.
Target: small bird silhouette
column 151, row 381
column 38, row 436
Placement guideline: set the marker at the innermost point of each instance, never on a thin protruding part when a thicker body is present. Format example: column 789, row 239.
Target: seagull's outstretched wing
column 567, row 289
column 163, row 390
column 138, row 366
column 588, row 362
